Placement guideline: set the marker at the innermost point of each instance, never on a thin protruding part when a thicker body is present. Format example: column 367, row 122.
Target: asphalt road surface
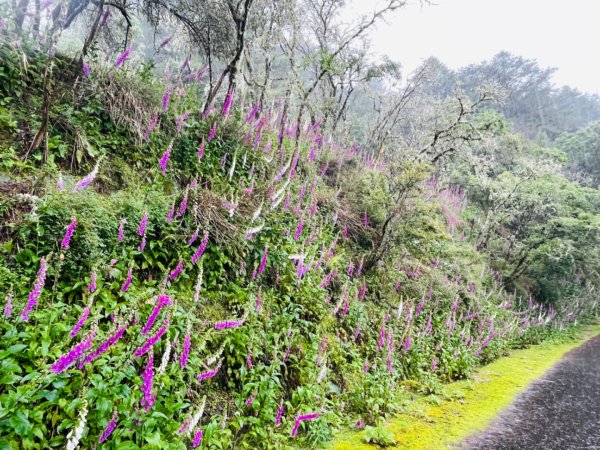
column 559, row 411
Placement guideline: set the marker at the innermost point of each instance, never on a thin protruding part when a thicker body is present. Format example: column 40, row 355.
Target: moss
column 472, row 404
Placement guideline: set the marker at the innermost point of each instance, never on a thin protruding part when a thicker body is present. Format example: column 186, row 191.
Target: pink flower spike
column 164, row 159
column 197, row 438
column 127, row 282
column 210, row 373
column 201, row 248
column 121, row 59
column 301, row 419
column 109, row 428
column 69, row 233
column 175, row 273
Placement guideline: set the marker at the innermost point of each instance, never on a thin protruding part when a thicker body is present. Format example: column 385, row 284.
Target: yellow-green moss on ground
column 477, row 401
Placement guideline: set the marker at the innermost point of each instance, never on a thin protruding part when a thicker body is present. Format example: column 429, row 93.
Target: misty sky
column 557, row 33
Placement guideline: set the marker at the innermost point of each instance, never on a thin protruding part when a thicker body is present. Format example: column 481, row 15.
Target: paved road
column 560, row 411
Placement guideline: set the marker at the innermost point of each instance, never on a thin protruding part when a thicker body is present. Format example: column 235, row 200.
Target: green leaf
column 20, row 423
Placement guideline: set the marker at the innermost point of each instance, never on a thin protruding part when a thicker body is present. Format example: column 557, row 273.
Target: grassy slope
column 476, row 402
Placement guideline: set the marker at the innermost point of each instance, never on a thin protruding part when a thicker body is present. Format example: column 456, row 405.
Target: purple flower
column 228, row 324
column 73, row 355
column 163, row 300
column 86, row 69
column 166, row 98
column 186, row 349
column 407, row 344
column 201, row 248
column 212, row 133
column 263, row 261
column 81, row 322
column 151, row 126
column 194, row 236
column 259, row 301
column 34, row 295
column 127, row 282
column 143, row 224
column 175, row 273
column 201, row 150
column 210, row 373
column 105, row 18
column 104, row 346
column 279, row 414
column 109, row 428
column 227, row 103
column 147, row 380
column 298, row 230
column 143, row 243
column 170, row 215
column 197, row 438
column 69, row 233
column 152, row 340
column 311, row 156
column 92, row 285
column 121, row 231
column 164, row 159
column 121, row 59
column 183, row 205
column 8, row 307
column 166, row 41
column 250, row 399
column 433, row 364
column 301, row 419
column 253, row 113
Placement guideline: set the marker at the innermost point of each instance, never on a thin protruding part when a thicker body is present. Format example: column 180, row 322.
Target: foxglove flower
column 166, row 97
column 73, row 355
column 197, row 438
column 8, row 306
column 185, row 353
column 109, row 428
column 227, row 103
column 105, row 346
column 34, row 295
column 147, row 346
column 212, row 133
column 223, row 325
column 121, row 235
column 147, row 380
column 87, row 180
column 210, row 373
column 164, row 159
column 250, row 399
column 196, row 417
column 176, row 271
column 92, row 285
column 127, row 282
column 121, row 59
column 201, row 248
column 183, row 205
column 298, row 230
column 201, row 150
column 170, row 215
column 303, row 418
column 151, row 126
column 81, row 322
column 69, row 234
column 60, row 184
column 86, row 69
column 143, row 224
column 163, row 300
column 263, row 261
column 279, row 414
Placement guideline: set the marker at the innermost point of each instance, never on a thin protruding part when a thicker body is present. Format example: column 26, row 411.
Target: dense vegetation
column 184, row 264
